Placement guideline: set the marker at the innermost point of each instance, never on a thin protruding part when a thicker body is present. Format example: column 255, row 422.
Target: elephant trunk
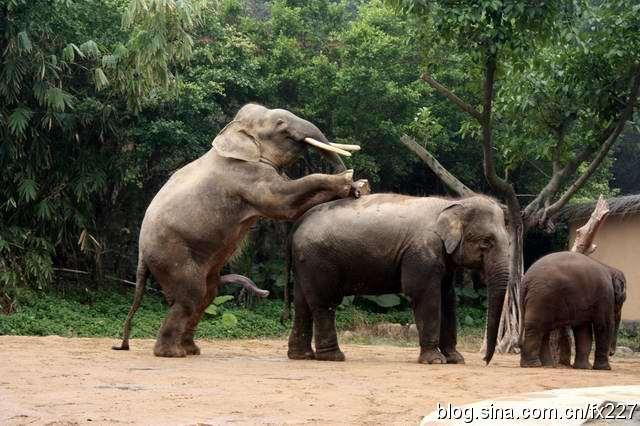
column 304, row 130
column 497, row 279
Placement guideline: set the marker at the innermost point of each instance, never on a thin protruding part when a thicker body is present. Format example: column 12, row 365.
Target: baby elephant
column 568, row 289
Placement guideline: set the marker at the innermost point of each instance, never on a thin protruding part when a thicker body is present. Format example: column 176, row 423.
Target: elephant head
column 474, row 236
column 619, row 284
column 276, row 137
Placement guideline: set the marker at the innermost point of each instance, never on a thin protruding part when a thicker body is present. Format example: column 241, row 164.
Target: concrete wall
column 618, row 242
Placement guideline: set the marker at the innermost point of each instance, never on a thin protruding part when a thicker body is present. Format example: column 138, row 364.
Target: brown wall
column 618, row 245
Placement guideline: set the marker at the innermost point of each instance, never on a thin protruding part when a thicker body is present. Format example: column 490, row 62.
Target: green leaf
column 28, row 189
column 70, row 51
column 222, row 299
column 57, row 99
column 468, row 292
column 229, row 320
column 212, row 310
column 90, row 49
column 24, row 42
column 385, row 300
column 18, row 120
column 100, row 79
column 468, row 321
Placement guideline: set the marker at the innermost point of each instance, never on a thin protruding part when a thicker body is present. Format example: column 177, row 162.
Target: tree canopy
column 101, row 100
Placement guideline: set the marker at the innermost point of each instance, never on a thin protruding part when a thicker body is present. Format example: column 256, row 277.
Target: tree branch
column 445, row 176
column 604, row 149
column 452, row 97
column 498, row 184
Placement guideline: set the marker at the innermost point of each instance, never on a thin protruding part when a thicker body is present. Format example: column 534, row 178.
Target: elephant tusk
column 345, row 146
column 327, row 147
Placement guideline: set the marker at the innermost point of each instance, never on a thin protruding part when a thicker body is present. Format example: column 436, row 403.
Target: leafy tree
column 66, row 66
column 557, row 83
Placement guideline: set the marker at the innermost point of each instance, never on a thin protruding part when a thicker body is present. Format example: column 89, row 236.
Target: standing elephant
column 197, row 220
column 569, row 289
column 390, row 243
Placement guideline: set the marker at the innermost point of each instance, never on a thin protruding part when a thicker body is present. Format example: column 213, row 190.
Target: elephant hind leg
column 564, row 344
column 448, row 331
column 545, row 351
column 603, row 332
column 531, row 345
column 187, row 338
column 302, row 332
column 583, row 336
column 185, row 291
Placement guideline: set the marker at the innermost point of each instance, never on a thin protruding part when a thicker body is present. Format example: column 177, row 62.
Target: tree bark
column 434, row 165
column 587, row 233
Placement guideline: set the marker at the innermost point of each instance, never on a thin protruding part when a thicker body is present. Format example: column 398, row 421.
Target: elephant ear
column 619, row 287
column 235, row 142
column 449, row 226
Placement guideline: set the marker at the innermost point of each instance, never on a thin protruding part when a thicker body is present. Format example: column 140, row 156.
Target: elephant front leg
column 448, row 328
column 327, row 348
column 278, row 198
column 583, row 337
column 302, row 332
column 423, row 285
column 426, row 309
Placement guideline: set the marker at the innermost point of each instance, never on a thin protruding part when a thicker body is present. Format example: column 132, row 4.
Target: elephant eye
column 486, row 242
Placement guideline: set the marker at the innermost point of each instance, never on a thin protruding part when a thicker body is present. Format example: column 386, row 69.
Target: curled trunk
column 306, row 129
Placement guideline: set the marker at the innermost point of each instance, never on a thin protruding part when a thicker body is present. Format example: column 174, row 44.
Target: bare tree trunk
column 587, row 233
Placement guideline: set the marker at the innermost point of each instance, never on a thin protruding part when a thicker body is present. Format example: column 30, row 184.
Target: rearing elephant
column 390, row 243
column 196, row 221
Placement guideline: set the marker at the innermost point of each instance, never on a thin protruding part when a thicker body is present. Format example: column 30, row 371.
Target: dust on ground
column 55, row 380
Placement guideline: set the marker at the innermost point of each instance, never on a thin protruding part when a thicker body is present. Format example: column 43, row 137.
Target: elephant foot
column 334, row 355
column 565, row 362
column 453, row 356
column 582, row 365
column 169, row 351
column 293, row 354
column 547, row 363
column 604, row 365
column 191, row 348
column 432, row 356
column 524, row 363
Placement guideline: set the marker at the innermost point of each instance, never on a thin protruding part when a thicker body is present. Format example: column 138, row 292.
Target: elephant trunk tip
column 123, row 347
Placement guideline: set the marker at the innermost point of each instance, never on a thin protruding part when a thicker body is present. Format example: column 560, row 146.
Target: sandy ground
column 54, row 380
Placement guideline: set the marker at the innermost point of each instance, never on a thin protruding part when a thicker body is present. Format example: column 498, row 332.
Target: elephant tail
column 141, row 278
column 286, row 310
column 244, row 282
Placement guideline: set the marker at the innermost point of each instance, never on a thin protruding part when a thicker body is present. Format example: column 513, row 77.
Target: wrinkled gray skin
column 390, row 243
column 568, row 289
column 198, row 218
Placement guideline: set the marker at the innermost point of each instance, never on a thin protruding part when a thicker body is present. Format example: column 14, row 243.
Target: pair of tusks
column 338, row 148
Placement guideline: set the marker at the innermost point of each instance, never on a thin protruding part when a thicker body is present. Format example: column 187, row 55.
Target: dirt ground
column 55, row 380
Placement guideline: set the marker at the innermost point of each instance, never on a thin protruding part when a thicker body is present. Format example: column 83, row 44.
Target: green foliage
column 385, row 300
column 216, row 306
column 101, row 100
